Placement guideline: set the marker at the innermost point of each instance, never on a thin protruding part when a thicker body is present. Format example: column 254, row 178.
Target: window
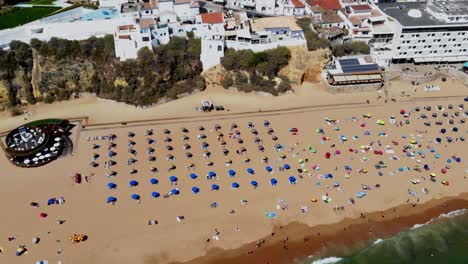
column 220, row 48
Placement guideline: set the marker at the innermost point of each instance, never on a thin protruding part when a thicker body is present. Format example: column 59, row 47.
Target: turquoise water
column 100, row 14
column 444, row 240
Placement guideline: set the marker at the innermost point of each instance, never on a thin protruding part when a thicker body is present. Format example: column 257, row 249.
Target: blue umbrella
column 155, row 194
column 173, row 178
column 212, row 174
column 292, row 179
column 214, row 187
column 269, row 168
column 111, row 185
column 286, row 166
column 195, row 190
column 449, row 160
column 174, row 192
column 154, row 181
column 438, row 140
column 455, row 129
column 273, row 181
column 329, row 176
column 254, row 183
column 367, row 133
column 235, row 185
column 458, row 159
column 193, row 175
column 232, row 173
column 250, row 170
column 51, row 201
column 380, row 173
column 443, row 130
column 111, row 199
column 135, row 196
column 426, row 167
column 133, row 183
column 347, row 167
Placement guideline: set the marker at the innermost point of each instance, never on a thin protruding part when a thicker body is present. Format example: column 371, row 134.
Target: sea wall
column 356, row 88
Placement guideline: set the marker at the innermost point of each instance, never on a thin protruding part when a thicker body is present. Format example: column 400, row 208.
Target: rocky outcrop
column 304, row 65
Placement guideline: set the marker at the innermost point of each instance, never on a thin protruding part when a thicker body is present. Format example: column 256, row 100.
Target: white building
column 436, row 31
column 270, row 7
column 261, row 34
column 130, row 38
column 76, row 24
column 210, row 28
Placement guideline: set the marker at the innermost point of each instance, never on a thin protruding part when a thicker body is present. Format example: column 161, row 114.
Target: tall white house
column 434, row 31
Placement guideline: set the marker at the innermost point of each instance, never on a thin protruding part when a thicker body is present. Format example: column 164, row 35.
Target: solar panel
column 346, row 62
column 360, row 68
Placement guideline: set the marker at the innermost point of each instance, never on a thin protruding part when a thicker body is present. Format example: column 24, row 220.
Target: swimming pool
column 99, row 15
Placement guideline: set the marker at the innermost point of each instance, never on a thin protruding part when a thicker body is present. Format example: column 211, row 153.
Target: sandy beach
column 228, row 223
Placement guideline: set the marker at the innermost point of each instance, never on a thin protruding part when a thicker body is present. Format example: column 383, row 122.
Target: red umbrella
column 402, row 111
column 337, row 152
column 327, row 155
column 443, row 170
column 77, row 178
column 351, row 150
column 43, row 215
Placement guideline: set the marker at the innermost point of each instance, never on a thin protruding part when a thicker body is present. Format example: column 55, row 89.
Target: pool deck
column 58, row 3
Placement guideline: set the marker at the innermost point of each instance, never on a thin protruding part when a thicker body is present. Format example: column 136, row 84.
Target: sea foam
column 378, row 241
column 329, row 260
column 447, row 215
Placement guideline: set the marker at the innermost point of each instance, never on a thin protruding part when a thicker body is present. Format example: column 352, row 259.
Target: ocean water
column 441, row 240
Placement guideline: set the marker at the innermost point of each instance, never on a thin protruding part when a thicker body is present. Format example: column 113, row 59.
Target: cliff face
column 3, row 95
column 304, row 65
column 51, row 76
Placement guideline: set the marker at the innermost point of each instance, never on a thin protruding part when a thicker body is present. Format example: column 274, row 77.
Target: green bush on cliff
column 90, row 66
column 255, row 71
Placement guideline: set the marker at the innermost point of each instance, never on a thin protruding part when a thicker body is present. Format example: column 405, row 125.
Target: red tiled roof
column 212, row 18
column 124, row 36
column 326, row 4
column 297, row 4
column 127, row 27
column 178, row 2
column 361, row 7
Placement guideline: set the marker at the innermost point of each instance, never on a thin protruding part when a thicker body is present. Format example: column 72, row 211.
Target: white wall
column 77, row 30
column 262, row 47
column 211, row 52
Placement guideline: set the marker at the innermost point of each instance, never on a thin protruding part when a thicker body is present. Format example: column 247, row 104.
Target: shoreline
column 297, row 241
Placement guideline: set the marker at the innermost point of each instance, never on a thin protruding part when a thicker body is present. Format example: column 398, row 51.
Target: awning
column 451, row 59
column 418, row 60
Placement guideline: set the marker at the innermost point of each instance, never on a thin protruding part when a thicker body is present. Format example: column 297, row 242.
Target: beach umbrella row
column 195, row 189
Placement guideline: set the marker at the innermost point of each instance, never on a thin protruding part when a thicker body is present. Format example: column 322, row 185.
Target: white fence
column 262, row 47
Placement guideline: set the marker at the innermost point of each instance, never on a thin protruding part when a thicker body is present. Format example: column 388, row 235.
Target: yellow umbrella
column 347, row 176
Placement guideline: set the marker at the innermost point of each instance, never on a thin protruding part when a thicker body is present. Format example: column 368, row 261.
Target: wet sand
column 297, row 241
